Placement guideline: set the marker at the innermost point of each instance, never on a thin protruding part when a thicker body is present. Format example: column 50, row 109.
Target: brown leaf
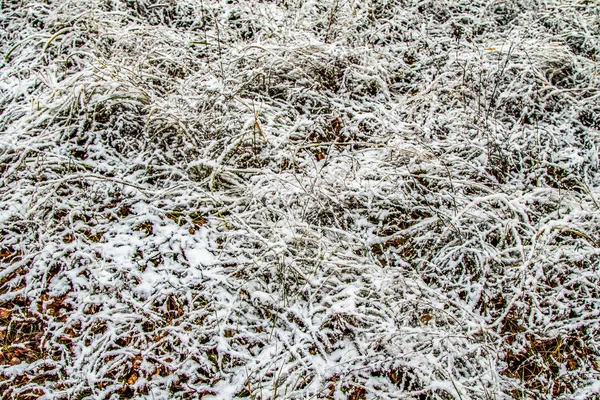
column 357, row 393
column 5, row 253
column 425, row 318
column 133, row 377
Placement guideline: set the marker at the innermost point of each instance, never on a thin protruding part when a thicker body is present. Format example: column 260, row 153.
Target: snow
column 299, row 199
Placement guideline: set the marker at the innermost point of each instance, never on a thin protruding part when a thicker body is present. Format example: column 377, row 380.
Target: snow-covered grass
column 298, row 199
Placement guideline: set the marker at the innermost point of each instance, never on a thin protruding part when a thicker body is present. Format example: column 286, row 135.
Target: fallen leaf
column 5, row 253
column 132, row 379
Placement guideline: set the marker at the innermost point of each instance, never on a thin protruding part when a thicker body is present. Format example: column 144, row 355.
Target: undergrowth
column 294, row 199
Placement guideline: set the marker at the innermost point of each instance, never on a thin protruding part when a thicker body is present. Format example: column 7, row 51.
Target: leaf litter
column 294, row 199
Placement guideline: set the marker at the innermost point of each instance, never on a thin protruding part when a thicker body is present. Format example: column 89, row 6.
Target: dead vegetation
column 289, row 199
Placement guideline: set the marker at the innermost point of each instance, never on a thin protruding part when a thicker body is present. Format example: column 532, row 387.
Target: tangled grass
column 295, row 199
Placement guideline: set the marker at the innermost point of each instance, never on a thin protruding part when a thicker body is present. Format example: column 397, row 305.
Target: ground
column 295, row 199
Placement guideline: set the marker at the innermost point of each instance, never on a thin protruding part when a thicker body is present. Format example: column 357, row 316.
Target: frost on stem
column 287, row 199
